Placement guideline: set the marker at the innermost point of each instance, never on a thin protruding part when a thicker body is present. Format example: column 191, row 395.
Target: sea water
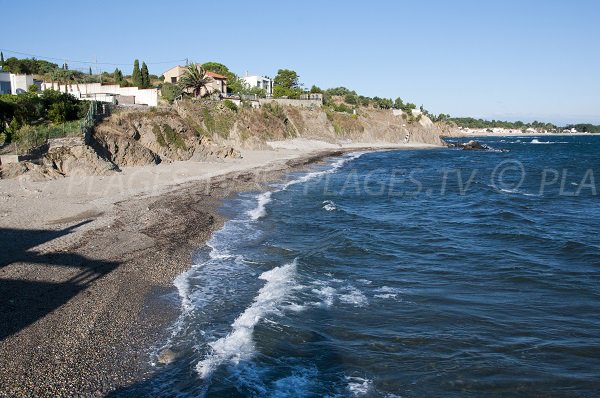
column 405, row 273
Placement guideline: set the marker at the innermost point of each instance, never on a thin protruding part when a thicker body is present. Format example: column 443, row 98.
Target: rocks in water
column 167, row 356
column 474, row 146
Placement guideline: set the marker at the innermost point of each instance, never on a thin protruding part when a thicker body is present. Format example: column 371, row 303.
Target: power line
column 84, row 62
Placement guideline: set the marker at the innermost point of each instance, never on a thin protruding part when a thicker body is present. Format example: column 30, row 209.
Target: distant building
column 110, row 93
column 216, row 83
column 11, row 83
column 262, row 82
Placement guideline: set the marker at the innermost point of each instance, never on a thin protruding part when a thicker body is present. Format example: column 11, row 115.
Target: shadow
column 30, row 286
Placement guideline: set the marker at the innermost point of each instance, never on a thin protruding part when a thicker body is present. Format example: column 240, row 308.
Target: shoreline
column 89, row 282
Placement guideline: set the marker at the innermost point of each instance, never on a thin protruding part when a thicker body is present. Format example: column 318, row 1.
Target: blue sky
column 496, row 59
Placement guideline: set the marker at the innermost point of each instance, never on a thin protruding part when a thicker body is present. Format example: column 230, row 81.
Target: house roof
column 215, row 75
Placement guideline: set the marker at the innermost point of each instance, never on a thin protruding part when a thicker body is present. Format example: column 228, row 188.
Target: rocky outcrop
column 77, row 160
column 251, row 128
column 133, row 138
column 32, row 171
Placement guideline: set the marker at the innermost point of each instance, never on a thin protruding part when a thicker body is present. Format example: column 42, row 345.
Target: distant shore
column 87, row 264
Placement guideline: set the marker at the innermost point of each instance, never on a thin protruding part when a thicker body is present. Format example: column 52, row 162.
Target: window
column 174, row 79
column 4, row 87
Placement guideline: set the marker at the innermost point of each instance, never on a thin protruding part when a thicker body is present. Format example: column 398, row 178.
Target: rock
column 473, row 146
column 166, row 356
column 77, row 160
column 33, row 171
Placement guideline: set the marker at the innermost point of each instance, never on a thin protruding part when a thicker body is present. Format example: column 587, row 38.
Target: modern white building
column 262, row 82
column 15, row 84
column 111, row 93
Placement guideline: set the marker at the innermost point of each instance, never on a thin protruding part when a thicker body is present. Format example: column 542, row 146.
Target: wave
column 536, row 141
column 358, row 386
column 516, row 191
column 329, row 205
column 334, row 167
column 265, row 198
column 260, row 210
column 238, row 344
column 354, row 296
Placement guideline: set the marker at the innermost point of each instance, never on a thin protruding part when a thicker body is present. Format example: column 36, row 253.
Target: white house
column 262, row 82
column 15, row 84
column 111, row 93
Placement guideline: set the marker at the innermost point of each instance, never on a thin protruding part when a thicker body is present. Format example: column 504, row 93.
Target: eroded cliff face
column 250, row 128
column 134, row 138
column 209, row 130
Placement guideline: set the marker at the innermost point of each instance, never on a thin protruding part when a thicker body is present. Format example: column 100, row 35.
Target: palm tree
column 195, row 79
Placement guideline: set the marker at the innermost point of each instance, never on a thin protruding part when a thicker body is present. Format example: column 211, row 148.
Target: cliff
column 208, row 130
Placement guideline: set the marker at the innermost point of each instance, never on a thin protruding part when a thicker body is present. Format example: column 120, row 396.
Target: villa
column 262, row 82
column 216, row 83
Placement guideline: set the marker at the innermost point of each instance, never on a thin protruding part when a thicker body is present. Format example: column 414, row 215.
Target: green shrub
column 351, row 99
column 170, row 91
column 343, row 108
column 230, row 105
column 276, row 110
column 172, row 138
column 158, row 134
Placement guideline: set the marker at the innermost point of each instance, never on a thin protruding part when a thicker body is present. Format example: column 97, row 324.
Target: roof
column 215, row 75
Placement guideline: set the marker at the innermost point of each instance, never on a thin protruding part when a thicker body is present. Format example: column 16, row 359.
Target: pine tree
column 90, row 71
column 66, row 66
column 1, row 58
column 145, row 76
column 117, row 76
column 136, row 76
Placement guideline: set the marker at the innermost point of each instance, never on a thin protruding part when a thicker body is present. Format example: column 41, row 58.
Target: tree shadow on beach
column 30, row 286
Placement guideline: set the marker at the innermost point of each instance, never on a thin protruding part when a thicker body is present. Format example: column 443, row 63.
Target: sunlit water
column 402, row 273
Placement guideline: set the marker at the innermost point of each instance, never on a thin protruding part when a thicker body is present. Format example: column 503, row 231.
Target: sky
column 497, row 59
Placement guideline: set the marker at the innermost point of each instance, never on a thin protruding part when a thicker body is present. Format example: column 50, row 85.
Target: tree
column 287, row 78
column 145, row 76
column 90, row 73
column 315, row 90
column 136, row 76
column 1, row 58
column 234, row 83
column 117, row 76
column 398, row 103
column 351, row 99
column 194, row 78
column 286, row 84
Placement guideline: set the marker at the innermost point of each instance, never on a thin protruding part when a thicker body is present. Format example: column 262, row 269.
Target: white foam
column 358, row 386
column 334, row 167
column 327, row 294
column 329, row 205
column 536, row 141
column 386, row 296
column 238, row 344
column 260, row 210
column 354, row 296
column 516, row 191
column 265, row 198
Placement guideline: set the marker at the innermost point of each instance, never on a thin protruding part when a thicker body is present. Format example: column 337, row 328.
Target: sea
column 400, row 273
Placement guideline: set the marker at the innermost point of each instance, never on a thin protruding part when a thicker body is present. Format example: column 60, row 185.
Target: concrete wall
column 292, row 102
column 20, row 83
column 6, row 159
column 106, row 93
